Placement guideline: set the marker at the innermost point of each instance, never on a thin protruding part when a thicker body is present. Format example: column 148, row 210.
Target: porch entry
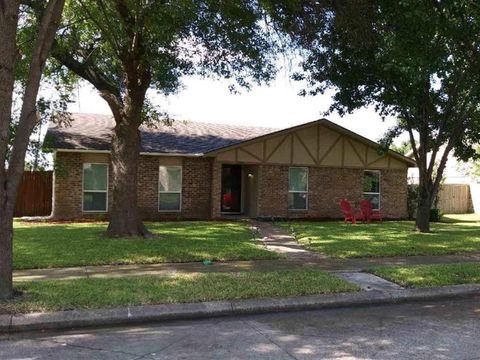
column 231, row 188
column 239, row 189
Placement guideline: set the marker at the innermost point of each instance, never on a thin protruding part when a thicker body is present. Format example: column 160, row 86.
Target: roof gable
column 320, row 143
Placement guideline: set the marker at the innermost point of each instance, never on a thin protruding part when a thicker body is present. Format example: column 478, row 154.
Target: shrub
column 435, row 215
column 412, row 200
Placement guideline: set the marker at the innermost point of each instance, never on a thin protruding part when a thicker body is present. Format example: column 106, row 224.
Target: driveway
column 446, row 330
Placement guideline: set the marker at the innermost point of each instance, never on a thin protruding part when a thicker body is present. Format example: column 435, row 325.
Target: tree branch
column 9, row 12
column 86, row 71
column 28, row 115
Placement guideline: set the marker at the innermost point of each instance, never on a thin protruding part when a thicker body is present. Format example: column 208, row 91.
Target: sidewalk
column 169, row 269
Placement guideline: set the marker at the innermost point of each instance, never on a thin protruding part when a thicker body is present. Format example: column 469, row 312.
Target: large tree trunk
column 427, row 192
column 125, row 218
column 8, row 56
column 6, row 253
column 422, row 223
column 10, row 176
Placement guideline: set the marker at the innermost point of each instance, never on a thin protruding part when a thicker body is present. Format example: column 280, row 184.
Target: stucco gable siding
column 314, row 145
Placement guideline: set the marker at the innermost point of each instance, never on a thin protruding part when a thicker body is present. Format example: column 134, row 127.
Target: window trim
column 171, row 192
column 297, row 191
column 95, row 191
column 379, row 193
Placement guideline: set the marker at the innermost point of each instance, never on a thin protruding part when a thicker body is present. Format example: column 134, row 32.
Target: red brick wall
column 394, row 193
column 273, row 190
column 148, row 186
column 327, row 186
column 67, row 184
column 216, row 189
column 202, row 187
column 196, row 186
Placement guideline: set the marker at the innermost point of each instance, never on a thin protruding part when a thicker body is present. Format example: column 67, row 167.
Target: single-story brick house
column 208, row 171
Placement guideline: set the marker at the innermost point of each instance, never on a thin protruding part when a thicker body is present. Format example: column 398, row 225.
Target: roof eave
column 90, row 151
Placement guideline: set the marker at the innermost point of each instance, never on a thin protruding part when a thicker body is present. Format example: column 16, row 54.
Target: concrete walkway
column 170, row 269
column 273, row 238
column 162, row 269
column 369, row 282
column 278, row 240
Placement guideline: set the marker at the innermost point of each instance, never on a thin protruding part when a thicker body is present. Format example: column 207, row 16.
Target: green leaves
column 169, row 39
column 415, row 60
column 418, row 61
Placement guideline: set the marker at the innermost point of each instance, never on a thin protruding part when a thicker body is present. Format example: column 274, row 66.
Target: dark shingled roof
column 93, row 132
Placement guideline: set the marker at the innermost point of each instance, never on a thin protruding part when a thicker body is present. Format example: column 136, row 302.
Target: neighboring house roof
column 93, row 132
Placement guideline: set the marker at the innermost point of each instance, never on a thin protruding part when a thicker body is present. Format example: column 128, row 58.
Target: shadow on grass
column 79, row 244
column 394, row 238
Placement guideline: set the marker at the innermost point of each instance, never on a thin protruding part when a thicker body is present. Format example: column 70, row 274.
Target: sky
column 276, row 105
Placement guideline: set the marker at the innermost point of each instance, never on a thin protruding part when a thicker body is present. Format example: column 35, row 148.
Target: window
column 170, row 188
column 371, row 187
column 298, row 188
column 95, row 187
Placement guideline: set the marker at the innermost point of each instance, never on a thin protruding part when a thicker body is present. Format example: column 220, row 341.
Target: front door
column 231, row 188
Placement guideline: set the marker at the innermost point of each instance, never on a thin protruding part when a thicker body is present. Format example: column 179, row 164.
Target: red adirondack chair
column 366, row 207
column 348, row 212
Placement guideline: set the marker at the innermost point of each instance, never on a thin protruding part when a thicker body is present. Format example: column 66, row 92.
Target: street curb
column 164, row 312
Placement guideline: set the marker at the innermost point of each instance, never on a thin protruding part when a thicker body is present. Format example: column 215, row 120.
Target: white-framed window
column 371, row 187
column 170, row 188
column 95, row 187
column 298, row 188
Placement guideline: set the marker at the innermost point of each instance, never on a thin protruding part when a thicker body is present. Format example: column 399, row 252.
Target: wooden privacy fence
column 35, row 194
column 455, row 199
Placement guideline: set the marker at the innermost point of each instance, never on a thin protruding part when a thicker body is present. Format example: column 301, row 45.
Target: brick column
column 394, row 193
column 216, row 189
column 67, row 186
column 273, row 190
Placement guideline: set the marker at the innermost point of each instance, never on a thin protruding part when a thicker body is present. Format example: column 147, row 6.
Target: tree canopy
column 167, row 39
column 416, row 60
column 126, row 47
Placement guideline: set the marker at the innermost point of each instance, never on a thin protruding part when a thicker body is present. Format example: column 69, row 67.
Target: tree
column 416, row 60
column 126, row 47
column 404, row 148
column 13, row 147
column 471, row 168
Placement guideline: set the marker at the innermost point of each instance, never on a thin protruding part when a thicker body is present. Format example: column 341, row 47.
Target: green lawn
column 38, row 245
column 391, row 238
column 431, row 275
column 97, row 293
column 461, row 218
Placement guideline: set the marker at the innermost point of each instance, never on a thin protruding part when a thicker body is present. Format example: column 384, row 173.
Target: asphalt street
column 428, row 330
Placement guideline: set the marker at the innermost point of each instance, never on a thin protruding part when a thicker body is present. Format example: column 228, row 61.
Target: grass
column 98, row 293
column 391, row 238
column 431, row 275
column 461, row 218
column 43, row 245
